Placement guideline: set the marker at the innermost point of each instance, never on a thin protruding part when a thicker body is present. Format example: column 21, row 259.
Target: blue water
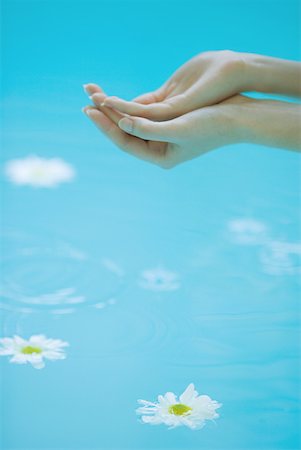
column 227, row 225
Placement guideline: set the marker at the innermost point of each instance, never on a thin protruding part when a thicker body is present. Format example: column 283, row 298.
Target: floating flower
column 159, row 279
column 248, row 231
column 33, row 350
column 39, row 172
column 190, row 410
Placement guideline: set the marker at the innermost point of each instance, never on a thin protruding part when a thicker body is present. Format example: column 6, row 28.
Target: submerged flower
column 248, row 231
column 159, row 279
column 190, row 410
column 34, row 350
column 39, row 172
column 281, row 258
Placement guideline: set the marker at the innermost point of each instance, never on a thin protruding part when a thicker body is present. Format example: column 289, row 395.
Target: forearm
column 272, row 75
column 271, row 123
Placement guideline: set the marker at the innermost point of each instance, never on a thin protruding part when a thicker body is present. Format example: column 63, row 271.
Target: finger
column 152, row 97
column 168, row 109
column 140, row 105
column 128, row 143
column 145, row 99
column 147, row 129
column 155, row 111
column 92, row 88
column 114, row 115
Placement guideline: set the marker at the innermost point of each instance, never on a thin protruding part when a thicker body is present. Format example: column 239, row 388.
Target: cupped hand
column 206, row 79
column 171, row 142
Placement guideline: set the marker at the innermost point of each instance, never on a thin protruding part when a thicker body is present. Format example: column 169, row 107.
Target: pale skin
column 200, row 108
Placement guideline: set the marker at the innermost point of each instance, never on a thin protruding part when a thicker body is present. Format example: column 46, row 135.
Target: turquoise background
column 233, row 327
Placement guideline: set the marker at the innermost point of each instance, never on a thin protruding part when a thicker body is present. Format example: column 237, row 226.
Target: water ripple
column 53, row 275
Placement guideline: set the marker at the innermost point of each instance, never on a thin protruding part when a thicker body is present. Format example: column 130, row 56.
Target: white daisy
column 39, row 172
column 33, row 350
column 159, row 279
column 190, row 410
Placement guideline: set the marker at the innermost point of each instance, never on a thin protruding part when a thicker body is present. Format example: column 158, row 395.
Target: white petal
column 56, row 344
column 170, row 398
column 205, row 407
column 146, row 403
column 6, row 351
column 38, row 339
column 153, row 420
column 193, row 424
column 7, row 342
column 37, row 363
column 19, row 359
column 188, row 394
column 50, row 354
column 20, row 342
column 172, row 420
column 146, row 410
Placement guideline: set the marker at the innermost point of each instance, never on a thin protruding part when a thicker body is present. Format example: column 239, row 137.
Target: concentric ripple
column 51, row 274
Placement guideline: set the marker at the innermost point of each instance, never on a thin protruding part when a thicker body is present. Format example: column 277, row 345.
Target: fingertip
column 90, row 111
column 97, row 98
column 126, row 124
column 91, row 88
column 85, row 87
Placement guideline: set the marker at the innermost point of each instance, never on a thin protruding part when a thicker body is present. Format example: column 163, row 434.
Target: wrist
column 268, row 122
column 235, row 120
column 271, row 75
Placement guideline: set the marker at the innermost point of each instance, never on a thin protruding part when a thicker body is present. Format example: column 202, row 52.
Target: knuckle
column 232, row 62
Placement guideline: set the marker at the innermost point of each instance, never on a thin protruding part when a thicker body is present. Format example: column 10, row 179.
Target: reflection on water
column 247, row 231
column 54, row 275
column 276, row 256
column 159, row 280
column 281, row 258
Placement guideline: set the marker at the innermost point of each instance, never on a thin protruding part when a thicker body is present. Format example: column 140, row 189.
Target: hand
column 171, row 142
column 206, row 79
column 210, row 78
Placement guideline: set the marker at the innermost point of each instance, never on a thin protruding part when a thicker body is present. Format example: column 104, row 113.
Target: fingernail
column 87, row 111
column 126, row 124
column 95, row 98
column 85, row 86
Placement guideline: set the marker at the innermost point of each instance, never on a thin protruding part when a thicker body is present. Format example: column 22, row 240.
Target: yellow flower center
column 179, row 409
column 38, row 172
column 29, row 350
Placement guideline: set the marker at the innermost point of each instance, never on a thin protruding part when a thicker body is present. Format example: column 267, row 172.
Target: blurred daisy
column 39, row 172
column 281, row 258
column 248, row 231
column 159, row 279
column 34, row 350
column 190, row 410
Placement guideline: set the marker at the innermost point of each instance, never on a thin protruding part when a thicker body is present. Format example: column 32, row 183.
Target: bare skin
column 199, row 109
column 209, row 78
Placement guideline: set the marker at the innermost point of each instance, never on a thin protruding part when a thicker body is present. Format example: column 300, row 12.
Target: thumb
column 147, row 129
